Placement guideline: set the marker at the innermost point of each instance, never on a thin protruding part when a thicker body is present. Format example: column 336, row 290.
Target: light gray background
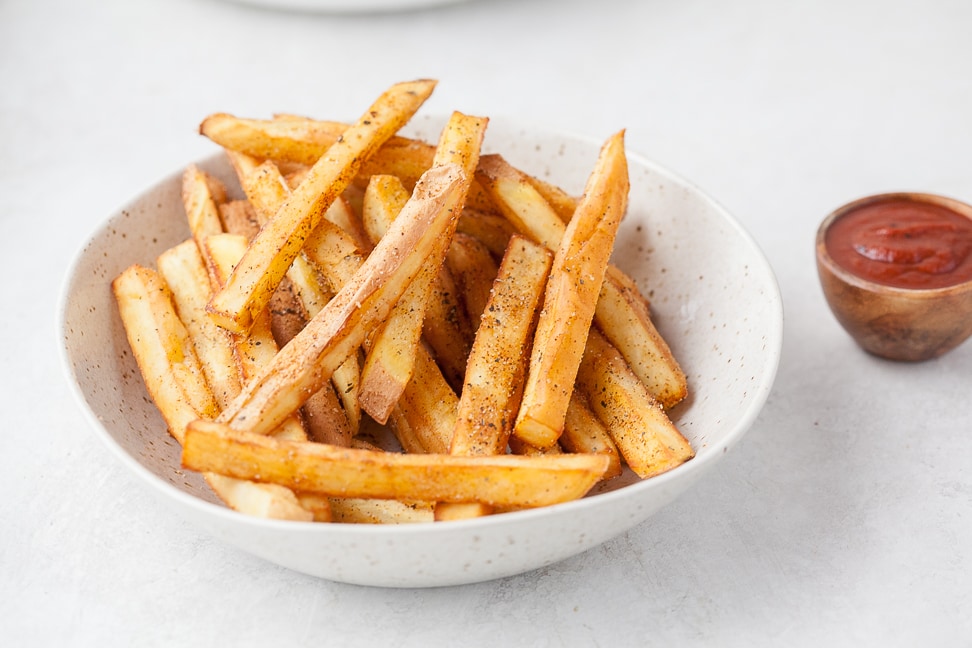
column 843, row 518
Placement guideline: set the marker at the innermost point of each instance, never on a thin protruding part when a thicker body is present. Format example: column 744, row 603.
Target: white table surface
column 843, row 518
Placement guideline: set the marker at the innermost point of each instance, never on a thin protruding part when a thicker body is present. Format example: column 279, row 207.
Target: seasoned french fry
column 624, row 317
column 379, row 511
column 267, row 258
column 571, row 294
column 505, row 481
column 392, row 348
column 492, row 230
column 163, row 349
column 426, row 413
column 256, row 349
column 584, row 433
column 185, row 274
column 622, row 312
column 562, row 202
column 498, row 361
column 473, row 269
column 301, row 140
column 301, row 367
column 175, row 382
column 202, row 209
column 286, row 137
column 337, row 254
column 645, row 435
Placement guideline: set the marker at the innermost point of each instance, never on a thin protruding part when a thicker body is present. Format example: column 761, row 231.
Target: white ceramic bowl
column 714, row 298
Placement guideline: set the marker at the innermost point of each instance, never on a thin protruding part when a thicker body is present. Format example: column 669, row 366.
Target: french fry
column 520, row 202
column 291, row 138
column 256, row 349
column 379, row 511
column 184, row 272
column 506, row 481
column 163, row 349
column 301, row 367
column 426, row 413
column 492, row 230
column 644, row 434
column 175, row 382
column 337, row 254
column 622, row 312
column 392, row 350
column 201, row 205
column 585, row 434
column 286, row 137
column 473, row 269
column 498, row 361
column 570, row 297
column 624, row 317
column 255, row 278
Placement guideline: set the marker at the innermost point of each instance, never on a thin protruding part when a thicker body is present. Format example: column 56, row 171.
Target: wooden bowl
column 909, row 324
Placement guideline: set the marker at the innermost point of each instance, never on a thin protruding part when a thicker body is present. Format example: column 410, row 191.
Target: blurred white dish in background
column 347, row 6
column 713, row 294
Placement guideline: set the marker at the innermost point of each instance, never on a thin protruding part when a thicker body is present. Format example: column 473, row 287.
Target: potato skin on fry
column 507, row 481
column 303, row 365
column 569, row 302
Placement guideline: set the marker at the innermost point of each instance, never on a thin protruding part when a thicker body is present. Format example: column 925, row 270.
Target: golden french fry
column 392, row 348
column 490, row 394
column 492, row 230
column 505, row 480
column 202, row 208
column 624, row 317
column 301, row 367
column 383, row 199
column 379, row 511
column 570, row 297
column 333, row 251
column 175, row 382
column 584, row 433
column 255, row 278
column 474, row 270
column 622, row 312
column 491, row 391
column 257, row 349
column 284, row 138
column 426, row 413
column 562, row 202
column 184, row 271
column 644, row 434
column 163, row 349
column 520, row 202
column 301, row 140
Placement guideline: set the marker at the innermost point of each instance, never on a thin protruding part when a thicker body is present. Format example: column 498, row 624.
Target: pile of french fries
column 371, row 282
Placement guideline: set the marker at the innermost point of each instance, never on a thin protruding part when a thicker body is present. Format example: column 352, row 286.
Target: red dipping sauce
column 904, row 241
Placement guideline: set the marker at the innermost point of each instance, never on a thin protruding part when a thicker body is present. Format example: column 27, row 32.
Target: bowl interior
column 713, row 296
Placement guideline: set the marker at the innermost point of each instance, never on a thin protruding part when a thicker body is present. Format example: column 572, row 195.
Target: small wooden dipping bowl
column 904, row 317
